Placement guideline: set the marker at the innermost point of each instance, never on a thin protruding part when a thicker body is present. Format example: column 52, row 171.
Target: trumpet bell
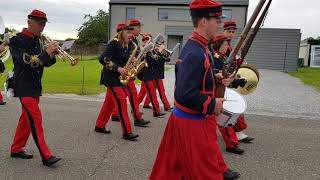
column 4, row 56
column 74, row 61
column 251, row 74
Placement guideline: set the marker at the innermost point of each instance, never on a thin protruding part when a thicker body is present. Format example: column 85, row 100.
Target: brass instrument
column 124, row 78
column 4, row 55
column 166, row 53
column 133, row 68
column 251, row 75
column 140, row 65
column 62, row 53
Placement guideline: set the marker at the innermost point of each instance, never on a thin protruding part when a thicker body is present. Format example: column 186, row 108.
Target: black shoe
column 235, row 150
column 231, row 175
column 158, row 114
column 115, row 118
column 246, row 140
column 169, row 109
column 3, row 103
column 22, row 155
column 102, row 130
column 141, row 123
column 130, row 137
column 147, row 107
column 51, row 161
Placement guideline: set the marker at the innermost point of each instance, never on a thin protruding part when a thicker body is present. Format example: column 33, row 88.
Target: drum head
column 234, row 102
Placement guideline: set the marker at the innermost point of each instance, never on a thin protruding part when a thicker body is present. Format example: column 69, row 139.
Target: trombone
column 61, row 52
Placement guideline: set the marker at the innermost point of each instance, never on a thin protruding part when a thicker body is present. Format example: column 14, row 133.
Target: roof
column 177, row 2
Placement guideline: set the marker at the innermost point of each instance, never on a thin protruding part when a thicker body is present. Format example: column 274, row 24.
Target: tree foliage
column 94, row 30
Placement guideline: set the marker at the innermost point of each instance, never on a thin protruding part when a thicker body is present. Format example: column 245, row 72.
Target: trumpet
column 61, row 53
column 5, row 54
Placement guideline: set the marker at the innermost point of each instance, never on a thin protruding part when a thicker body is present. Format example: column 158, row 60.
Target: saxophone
column 138, row 65
column 124, row 78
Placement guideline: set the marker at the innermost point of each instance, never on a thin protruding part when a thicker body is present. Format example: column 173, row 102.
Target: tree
column 95, row 29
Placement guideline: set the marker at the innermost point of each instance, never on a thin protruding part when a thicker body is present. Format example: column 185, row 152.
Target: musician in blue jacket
column 189, row 148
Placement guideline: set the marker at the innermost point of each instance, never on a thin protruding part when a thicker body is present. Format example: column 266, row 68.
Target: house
column 171, row 18
column 273, row 48
column 310, row 52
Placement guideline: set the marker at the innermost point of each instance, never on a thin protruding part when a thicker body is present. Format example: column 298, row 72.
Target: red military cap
column 230, row 25
column 146, row 37
column 121, row 27
column 220, row 38
column 205, row 8
column 135, row 22
column 38, row 15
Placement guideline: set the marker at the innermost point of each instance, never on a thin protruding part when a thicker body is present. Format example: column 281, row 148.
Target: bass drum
column 233, row 106
column 251, row 74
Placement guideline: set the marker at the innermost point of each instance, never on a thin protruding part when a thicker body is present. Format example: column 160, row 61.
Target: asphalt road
column 285, row 148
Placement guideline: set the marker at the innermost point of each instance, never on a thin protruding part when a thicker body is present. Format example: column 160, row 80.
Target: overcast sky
column 66, row 16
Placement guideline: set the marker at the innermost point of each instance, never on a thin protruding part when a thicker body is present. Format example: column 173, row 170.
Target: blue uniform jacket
column 195, row 86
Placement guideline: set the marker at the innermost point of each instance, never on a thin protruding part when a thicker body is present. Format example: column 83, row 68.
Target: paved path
column 283, row 117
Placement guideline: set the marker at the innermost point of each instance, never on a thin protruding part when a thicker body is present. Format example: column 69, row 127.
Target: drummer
column 230, row 29
column 219, row 47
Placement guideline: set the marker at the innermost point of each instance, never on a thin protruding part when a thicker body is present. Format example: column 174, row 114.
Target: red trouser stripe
column 142, row 92
column 132, row 93
column 153, row 96
column 115, row 98
column 30, row 121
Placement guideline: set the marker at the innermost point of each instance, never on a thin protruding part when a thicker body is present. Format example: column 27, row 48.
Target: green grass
column 63, row 78
column 310, row 76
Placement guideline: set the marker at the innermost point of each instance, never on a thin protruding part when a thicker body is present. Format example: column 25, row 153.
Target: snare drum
column 233, row 106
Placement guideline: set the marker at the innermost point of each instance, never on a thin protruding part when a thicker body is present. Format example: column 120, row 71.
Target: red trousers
column 30, row 121
column 131, row 92
column 229, row 136
column 158, row 83
column 114, row 95
column 241, row 124
column 189, row 151
column 1, row 97
column 147, row 87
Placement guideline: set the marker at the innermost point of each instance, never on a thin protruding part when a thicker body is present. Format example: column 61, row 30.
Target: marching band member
column 113, row 59
column 189, row 148
column 158, row 83
column 219, row 48
column 147, row 77
column 130, row 88
column 2, row 68
column 30, row 58
column 230, row 29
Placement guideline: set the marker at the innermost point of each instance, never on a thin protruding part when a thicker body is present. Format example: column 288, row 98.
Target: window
column 166, row 14
column 131, row 13
column 228, row 14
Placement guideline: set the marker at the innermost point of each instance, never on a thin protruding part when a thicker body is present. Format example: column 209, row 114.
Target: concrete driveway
column 283, row 117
